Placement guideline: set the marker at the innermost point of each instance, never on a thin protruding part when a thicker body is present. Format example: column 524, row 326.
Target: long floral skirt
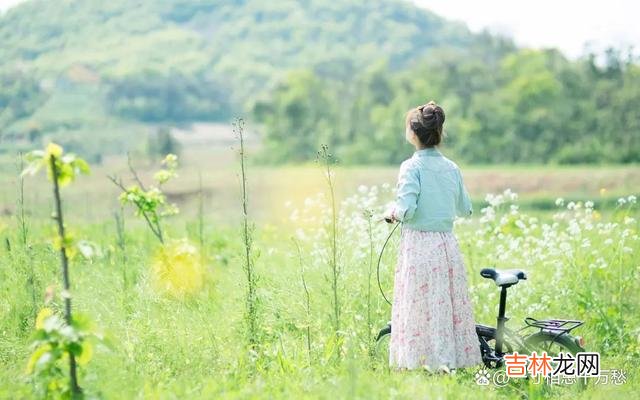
column 432, row 320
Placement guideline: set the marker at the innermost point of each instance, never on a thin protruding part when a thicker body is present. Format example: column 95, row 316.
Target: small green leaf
column 75, row 348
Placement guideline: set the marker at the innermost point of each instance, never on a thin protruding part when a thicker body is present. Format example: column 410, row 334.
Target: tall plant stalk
column 326, row 159
column 22, row 220
column 201, row 218
column 369, row 216
column 22, row 223
column 121, row 241
column 64, row 261
column 65, row 339
column 247, row 238
column 307, row 298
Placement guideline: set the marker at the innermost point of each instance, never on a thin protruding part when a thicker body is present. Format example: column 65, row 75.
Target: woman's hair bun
column 426, row 121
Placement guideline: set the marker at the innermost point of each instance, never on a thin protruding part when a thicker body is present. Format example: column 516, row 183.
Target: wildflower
column 494, row 200
column 574, row 228
column 177, row 269
column 510, row 195
column 588, row 204
column 631, row 199
column 621, row 201
column 559, row 202
column 564, row 246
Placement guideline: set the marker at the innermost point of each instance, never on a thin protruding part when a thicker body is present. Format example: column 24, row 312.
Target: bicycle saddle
column 504, row 277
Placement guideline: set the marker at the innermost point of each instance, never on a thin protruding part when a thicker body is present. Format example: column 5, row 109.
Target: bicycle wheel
column 554, row 344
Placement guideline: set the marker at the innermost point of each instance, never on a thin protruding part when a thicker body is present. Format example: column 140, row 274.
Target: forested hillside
column 528, row 106
column 96, row 75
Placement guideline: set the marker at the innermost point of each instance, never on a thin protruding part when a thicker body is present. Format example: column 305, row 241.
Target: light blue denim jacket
column 430, row 192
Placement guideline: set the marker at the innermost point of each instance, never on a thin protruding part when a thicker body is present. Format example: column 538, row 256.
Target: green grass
column 195, row 347
column 167, row 348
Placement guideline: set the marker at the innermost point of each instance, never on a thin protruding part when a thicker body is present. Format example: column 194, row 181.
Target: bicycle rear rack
column 555, row 325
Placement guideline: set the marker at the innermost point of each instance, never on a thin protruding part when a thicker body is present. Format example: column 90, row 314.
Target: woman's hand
column 390, row 216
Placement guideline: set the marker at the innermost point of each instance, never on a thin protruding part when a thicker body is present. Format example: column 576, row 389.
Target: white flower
column 564, row 246
column 574, row 228
column 621, row 201
column 631, row 199
column 588, row 204
column 494, row 200
column 362, row 189
column 510, row 195
column 559, row 202
column 571, row 205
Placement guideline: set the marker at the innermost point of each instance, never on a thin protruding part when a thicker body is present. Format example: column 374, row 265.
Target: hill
column 87, row 69
column 106, row 77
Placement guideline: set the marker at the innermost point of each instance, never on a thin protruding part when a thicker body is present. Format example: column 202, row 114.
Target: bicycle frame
column 501, row 321
column 516, row 341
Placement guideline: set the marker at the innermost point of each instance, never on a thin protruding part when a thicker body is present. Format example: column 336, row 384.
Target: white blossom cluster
column 559, row 249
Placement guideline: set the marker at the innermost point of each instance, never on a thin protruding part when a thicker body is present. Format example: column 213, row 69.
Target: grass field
column 271, row 187
column 583, row 262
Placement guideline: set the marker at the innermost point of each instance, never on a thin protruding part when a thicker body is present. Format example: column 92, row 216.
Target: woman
column 432, row 317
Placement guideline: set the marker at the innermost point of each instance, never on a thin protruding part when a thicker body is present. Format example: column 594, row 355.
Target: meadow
column 573, row 229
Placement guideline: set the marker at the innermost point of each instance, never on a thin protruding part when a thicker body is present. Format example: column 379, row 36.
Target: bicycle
column 554, row 335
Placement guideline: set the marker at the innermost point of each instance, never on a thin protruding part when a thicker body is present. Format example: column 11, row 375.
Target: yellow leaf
column 42, row 316
column 87, row 353
column 36, row 356
column 53, row 150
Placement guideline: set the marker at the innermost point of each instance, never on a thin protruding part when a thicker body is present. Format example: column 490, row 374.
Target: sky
column 566, row 24
column 4, row 4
